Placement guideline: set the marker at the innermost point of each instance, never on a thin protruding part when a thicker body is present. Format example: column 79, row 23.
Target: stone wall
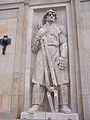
column 18, row 20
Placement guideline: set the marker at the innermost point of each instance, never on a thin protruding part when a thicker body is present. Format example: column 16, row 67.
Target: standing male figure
column 51, row 70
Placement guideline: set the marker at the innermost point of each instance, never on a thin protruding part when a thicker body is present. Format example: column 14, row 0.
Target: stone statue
column 51, row 69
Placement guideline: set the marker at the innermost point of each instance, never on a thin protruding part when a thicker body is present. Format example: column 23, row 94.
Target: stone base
column 49, row 116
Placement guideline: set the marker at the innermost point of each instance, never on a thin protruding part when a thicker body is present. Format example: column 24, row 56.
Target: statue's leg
column 64, row 98
column 50, row 101
column 56, row 100
column 37, row 98
column 38, row 94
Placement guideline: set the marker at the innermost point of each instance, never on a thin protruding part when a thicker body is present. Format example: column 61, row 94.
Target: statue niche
column 51, row 68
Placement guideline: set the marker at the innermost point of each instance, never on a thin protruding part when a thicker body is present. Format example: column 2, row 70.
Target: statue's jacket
column 54, row 38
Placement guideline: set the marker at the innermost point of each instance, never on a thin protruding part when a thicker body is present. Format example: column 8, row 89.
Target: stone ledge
column 49, row 116
column 32, row 2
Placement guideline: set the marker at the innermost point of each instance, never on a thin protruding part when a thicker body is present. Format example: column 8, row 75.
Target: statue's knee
column 55, row 93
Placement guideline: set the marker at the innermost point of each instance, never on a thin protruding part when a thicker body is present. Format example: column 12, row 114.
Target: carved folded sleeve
column 36, row 45
column 63, row 42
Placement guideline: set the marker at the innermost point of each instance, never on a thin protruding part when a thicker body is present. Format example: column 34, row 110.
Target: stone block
column 49, row 116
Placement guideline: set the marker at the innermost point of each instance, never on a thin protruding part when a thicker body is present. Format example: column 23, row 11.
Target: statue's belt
column 52, row 44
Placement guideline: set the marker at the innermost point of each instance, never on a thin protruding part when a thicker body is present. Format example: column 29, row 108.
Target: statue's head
column 49, row 16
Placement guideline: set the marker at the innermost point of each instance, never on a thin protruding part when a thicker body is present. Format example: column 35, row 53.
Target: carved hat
column 46, row 14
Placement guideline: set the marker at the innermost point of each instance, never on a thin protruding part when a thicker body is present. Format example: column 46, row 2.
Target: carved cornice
column 33, row 2
column 84, row 0
column 11, row 1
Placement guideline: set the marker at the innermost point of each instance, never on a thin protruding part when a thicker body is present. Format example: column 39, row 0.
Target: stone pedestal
column 49, row 116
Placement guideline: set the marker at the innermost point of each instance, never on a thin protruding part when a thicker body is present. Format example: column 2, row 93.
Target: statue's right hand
column 36, row 46
column 50, row 88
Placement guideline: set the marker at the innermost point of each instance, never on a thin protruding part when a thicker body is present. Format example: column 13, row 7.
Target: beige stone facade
column 19, row 19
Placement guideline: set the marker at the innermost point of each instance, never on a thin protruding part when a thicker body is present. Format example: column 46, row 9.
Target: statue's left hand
column 61, row 63
column 51, row 88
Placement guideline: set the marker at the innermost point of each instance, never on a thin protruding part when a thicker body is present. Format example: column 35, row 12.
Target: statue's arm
column 63, row 42
column 36, row 44
column 63, row 48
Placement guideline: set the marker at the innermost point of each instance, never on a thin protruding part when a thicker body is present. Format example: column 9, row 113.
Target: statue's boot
column 33, row 109
column 64, row 99
column 37, row 98
column 65, row 109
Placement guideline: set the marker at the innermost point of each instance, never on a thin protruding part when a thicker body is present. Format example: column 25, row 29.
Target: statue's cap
column 50, row 10
column 45, row 15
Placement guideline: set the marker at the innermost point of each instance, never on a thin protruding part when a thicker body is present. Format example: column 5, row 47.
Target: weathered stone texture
column 48, row 115
column 19, row 21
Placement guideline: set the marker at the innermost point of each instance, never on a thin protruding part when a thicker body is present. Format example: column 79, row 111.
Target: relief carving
column 51, row 69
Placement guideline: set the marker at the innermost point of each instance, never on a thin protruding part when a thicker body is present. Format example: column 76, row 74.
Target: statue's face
column 50, row 17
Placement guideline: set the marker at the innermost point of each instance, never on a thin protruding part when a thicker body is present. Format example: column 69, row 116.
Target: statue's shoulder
column 62, row 29
column 55, row 27
column 41, row 31
column 43, row 28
